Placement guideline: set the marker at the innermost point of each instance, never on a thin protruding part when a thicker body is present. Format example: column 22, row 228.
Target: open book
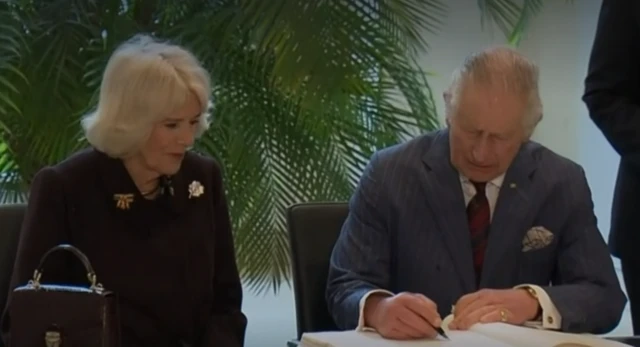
column 491, row 334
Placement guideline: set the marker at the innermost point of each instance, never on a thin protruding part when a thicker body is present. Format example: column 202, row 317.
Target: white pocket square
column 536, row 238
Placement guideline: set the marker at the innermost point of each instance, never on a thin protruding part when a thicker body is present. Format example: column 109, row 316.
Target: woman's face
column 171, row 138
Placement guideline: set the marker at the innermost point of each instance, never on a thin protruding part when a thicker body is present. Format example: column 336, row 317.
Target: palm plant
column 304, row 92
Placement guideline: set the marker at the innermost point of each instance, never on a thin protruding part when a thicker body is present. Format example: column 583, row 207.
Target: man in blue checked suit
column 475, row 219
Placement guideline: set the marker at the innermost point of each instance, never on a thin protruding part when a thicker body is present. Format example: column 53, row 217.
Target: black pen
column 441, row 332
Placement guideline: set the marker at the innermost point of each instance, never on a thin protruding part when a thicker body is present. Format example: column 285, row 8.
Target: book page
column 532, row 337
column 492, row 334
column 370, row 339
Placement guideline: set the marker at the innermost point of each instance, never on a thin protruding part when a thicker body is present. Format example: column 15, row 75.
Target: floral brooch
column 195, row 189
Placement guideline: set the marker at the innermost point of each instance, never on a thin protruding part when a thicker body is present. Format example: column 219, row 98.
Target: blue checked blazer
column 407, row 231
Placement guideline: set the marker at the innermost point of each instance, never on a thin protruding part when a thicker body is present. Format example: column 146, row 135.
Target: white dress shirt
column 550, row 318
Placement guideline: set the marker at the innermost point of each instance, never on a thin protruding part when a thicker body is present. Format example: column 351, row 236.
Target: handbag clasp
column 53, row 338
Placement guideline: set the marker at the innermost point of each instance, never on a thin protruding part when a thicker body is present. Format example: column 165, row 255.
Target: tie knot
column 479, row 186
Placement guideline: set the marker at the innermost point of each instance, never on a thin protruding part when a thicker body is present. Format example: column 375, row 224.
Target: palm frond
column 44, row 79
column 511, row 16
column 11, row 44
column 299, row 108
column 316, row 46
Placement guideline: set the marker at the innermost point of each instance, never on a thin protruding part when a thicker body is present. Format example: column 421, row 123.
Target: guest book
column 491, row 334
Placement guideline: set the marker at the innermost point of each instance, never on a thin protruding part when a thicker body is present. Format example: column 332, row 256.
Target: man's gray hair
column 504, row 68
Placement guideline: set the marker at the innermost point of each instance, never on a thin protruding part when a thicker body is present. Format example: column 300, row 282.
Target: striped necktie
column 479, row 218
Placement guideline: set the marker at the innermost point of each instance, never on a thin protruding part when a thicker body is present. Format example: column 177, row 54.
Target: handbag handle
column 91, row 275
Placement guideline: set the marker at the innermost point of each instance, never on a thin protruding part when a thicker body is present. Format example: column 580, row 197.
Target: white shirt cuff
column 363, row 300
column 550, row 318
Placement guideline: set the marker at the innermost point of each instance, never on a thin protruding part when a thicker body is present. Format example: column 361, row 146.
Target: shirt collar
column 496, row 181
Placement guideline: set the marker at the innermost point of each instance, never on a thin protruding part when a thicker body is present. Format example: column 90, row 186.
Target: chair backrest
column 313, row 230
column 11, row 217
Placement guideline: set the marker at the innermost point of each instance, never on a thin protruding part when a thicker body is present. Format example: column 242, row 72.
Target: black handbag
column 63, row 315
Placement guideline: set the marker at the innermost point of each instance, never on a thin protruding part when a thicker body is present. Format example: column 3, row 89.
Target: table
column 629, row 340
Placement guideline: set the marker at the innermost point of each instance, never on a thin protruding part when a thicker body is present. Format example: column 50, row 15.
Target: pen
column 441, row 332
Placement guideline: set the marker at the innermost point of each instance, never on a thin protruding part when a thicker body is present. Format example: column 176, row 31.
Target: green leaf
column 511, row 16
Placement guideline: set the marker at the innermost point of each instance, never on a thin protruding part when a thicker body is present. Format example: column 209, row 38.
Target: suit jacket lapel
column 511, row 216
column 446, row 200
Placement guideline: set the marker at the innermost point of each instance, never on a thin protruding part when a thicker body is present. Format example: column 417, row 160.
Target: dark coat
column 171, row 260
column 612, row 95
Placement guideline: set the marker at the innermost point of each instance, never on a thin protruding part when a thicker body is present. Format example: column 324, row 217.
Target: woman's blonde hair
column 144, row 82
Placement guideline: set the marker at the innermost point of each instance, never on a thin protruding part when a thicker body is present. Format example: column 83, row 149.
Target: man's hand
column 402, row 317
column 513, row 306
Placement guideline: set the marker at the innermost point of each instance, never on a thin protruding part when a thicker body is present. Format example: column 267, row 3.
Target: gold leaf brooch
column 123, row 201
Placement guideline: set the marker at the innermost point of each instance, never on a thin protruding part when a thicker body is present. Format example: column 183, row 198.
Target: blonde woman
column 150, row 215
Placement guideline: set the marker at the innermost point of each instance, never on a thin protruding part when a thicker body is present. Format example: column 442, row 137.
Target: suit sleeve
column 585, row 288
column 44, row 227
column 360, row 261
column 612, row 85
column 227, row 324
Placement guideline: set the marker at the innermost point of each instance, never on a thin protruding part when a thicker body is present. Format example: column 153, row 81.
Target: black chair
column 11, row 217
column 313, row 230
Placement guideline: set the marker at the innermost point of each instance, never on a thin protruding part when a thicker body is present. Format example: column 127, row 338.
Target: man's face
column 486, row 131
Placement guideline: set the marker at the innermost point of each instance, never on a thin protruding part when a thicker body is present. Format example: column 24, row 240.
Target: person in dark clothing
column 151, row 215
column 612, row 96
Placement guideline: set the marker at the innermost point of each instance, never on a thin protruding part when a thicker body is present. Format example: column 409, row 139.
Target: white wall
column 559, row 41
column 562, row 50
